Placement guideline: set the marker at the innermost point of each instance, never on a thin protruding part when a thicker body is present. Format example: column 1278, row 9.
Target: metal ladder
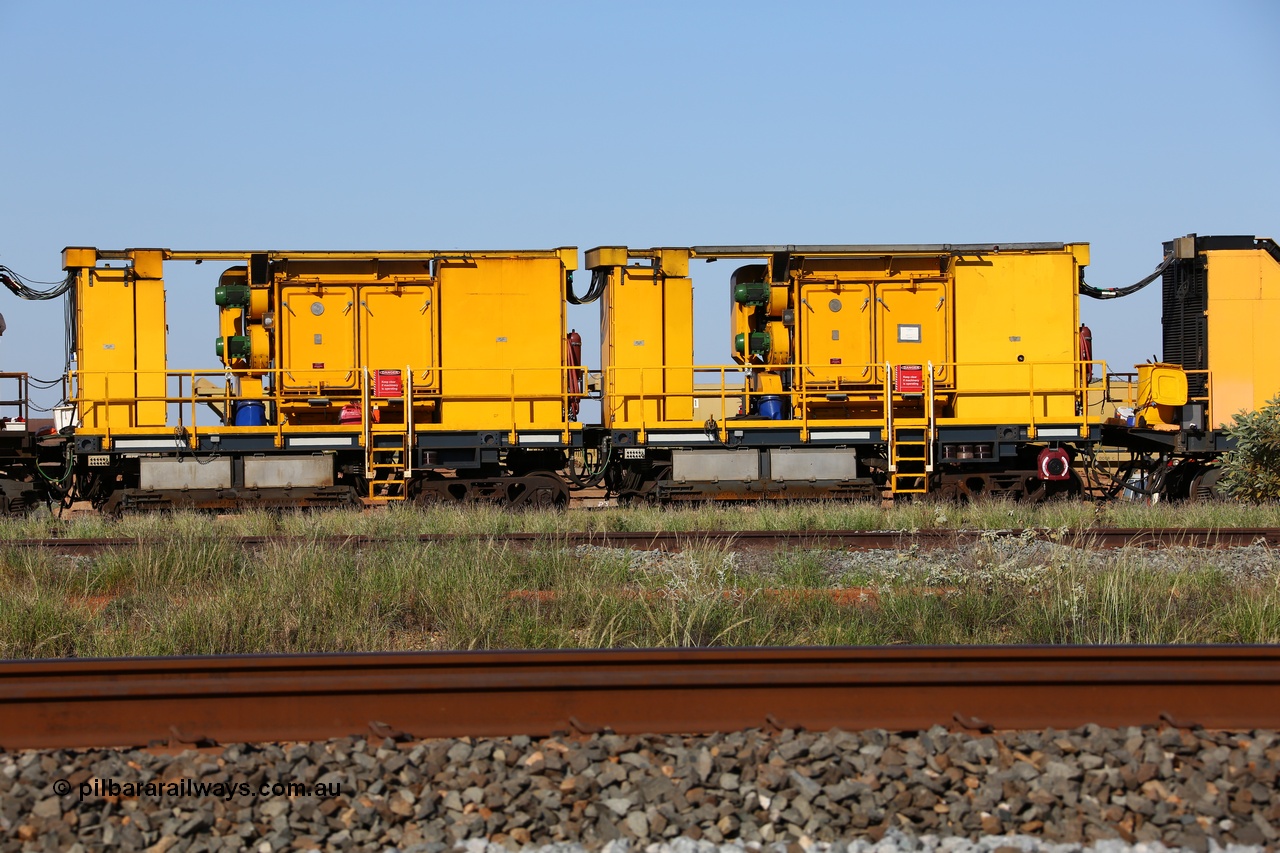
column 909, row 463
column 387, row 455
column 388, row 463
column 911, row 441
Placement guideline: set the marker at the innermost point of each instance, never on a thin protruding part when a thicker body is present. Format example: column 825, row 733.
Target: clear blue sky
column 505, row 125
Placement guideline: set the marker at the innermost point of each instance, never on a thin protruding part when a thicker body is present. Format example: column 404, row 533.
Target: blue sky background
column 504, row 125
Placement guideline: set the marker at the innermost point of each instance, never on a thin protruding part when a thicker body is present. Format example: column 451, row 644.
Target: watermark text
column 193, row 789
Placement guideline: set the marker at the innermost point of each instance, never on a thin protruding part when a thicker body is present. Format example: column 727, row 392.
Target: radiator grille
column 1186, row 293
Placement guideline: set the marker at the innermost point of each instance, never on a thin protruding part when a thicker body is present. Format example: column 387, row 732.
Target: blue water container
column 251, row 413
column 771, row 407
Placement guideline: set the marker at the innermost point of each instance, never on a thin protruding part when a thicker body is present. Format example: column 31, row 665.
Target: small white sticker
column 502, row 340
column 908, row 333
column 108, row 346
column 639, row 343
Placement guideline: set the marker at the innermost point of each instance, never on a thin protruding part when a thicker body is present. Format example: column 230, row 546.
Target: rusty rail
column 136, row 701
column 852, row 540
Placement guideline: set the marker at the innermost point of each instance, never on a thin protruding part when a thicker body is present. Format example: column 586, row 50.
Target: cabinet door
column 398, row 331
column 834, row 321
column 318, row 339
column 912, row 326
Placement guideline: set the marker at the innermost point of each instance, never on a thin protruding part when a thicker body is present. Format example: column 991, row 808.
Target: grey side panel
column 715, row 465
column 184, row 473
column 277, row 472
column 816, row 464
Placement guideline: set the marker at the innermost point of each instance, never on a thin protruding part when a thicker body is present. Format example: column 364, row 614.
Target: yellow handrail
column 95, row 407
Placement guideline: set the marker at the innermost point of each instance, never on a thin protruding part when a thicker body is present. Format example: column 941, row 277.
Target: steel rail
column 207, row 701
column 853, row 540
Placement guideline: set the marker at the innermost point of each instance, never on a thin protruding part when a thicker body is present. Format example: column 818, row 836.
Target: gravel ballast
column 997, row 555
column 758, row 789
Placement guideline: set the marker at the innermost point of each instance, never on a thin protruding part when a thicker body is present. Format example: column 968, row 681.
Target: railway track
column 207, row 701
column 851, row 540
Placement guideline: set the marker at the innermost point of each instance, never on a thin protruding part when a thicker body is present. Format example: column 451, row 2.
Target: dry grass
column 194, row 593
column 813, row 515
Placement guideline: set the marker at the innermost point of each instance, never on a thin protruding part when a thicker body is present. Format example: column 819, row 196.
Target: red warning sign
column 909, row 378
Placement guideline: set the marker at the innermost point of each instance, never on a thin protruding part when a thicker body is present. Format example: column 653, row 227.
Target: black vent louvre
column 1186, row 295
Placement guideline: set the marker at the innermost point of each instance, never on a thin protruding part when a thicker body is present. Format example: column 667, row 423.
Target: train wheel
column 542, row 490
column 1034, row 491
column 1205, row 486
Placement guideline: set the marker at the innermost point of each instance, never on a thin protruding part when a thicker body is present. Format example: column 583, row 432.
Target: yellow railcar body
column 857, row 367
column 120, row 341
column 1016, row 329
column 647, row 346
column 996, row 331
column 340, row 322
column 1243, row 316
column 482, row 335
column 502, row 333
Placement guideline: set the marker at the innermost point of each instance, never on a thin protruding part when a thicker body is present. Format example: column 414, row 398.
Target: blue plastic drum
column 251, row 413
column 771, row 407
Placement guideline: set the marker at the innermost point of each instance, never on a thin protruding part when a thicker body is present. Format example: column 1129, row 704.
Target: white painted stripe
column 147, row 444
column 539, row 438
column 1057, row 432
column 678, row 438
column 319, row 441
column 845, row 434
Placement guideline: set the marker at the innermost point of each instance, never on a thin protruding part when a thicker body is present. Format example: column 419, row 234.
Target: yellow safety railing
column 642, row 396
column 518, row 389
column 1207, row 398
column 1021, row 380
column 107, row 402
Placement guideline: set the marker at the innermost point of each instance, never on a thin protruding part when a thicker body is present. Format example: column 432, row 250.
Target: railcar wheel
column 17, row 498
column 1205, row 486
column 1034, row 491
column 542, row 490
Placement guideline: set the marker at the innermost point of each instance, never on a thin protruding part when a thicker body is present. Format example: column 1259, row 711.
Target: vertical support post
column 365, row 428
column 643, row 419
column 409, row 444
column 512, row 436
column 1031, row 392
column 931, row 423
column 888, row 417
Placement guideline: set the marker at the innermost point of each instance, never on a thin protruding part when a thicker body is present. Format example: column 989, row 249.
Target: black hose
column 589, row 479
column 1117, row 292
column 19, row 285
column 599, row 279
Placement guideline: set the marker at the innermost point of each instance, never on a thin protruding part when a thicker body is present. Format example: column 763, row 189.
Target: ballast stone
column 894, row 841
column 936, row 791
